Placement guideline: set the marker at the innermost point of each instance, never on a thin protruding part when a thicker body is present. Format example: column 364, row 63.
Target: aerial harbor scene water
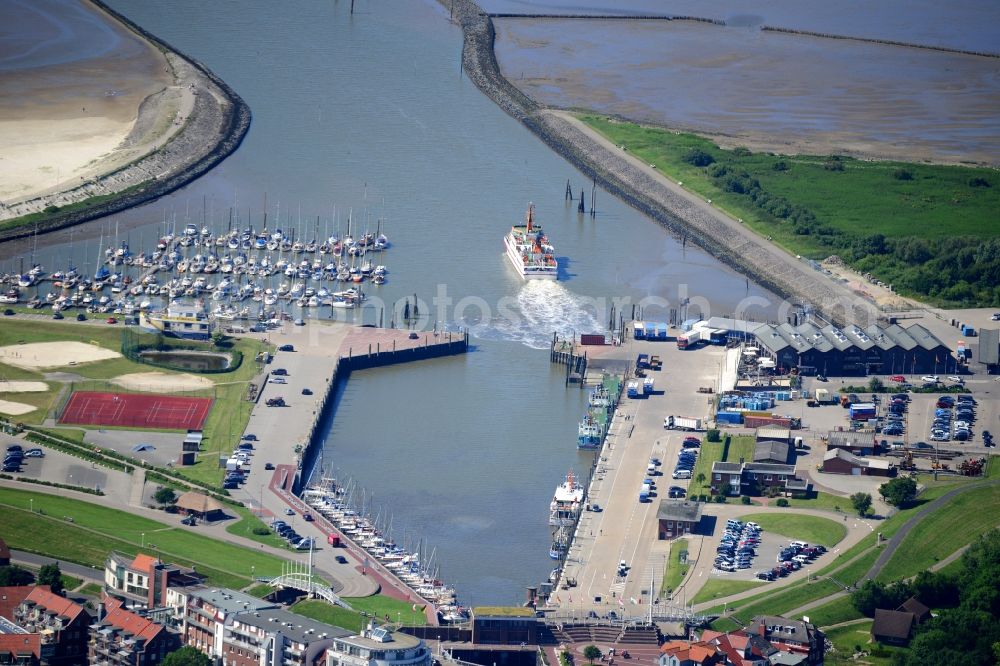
column 444, row 331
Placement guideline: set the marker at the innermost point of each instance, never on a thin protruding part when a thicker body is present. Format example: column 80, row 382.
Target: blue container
column 731, row 418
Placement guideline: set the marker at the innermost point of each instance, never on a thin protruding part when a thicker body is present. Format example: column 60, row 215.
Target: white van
column 651, row 469
column 800, row 544
column 682, row 474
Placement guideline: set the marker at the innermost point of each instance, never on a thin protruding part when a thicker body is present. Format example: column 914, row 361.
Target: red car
column 899, row 379
column 111, row 320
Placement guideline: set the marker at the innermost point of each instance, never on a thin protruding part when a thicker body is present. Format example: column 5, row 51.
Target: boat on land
column 529, row 250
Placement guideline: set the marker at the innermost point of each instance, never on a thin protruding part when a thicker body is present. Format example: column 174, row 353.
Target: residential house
column 892, row 627
column 61, row 624
column 753, row 478
column 142, row 581
column 796, row 636
column 378, row 646
column 740, row 648
column 690, row 653
column 203, row 613
column 200, row 505
column 677, row 518
column 19, row 648
column 276, row 636
column 842, row 461
column 921, row 613
column 126, row 638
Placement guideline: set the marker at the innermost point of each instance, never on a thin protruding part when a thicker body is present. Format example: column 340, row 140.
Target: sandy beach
column 35, row 355
column 69, row 108
column 162, row 382
column 93, row 108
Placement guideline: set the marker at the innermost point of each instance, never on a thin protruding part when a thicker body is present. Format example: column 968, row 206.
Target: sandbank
column 15, row 408
column 36, row 355
column 161, row 381
column 22, row 387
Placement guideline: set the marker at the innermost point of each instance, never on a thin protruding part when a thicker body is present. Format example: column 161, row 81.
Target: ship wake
column 540, row 308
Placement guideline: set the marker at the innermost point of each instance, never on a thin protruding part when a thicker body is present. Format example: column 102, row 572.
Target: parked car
column 34, row 453
column 268, row 466
column 276, row 402
column 58, row 315
column 341, row 559
column 286, row 348
column 81, row 317
column 933, row 379
column 250, row 437
column 307, row 391
column 280, row 372
column 289, row 512
column 111, row 320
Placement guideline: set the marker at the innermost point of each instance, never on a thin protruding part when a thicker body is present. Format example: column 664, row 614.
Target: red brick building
column 129, row 639
column 61, row 624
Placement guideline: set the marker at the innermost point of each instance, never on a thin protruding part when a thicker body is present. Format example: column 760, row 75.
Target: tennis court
column 136, row 410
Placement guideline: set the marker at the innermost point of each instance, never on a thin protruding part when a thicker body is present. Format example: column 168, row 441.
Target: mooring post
column 569, row 191
column 583, row 199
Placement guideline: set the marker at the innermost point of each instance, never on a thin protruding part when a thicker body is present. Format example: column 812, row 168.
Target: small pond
column 188, row 360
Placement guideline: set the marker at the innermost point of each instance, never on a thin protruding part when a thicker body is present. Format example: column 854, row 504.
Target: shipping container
column 592, row 339
column 731, row 418
column 639, row 330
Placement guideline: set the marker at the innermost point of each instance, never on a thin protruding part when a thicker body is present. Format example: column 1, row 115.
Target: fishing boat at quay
column 340, row 505
column 529, row 250
column 566, row 503
column 601, row 405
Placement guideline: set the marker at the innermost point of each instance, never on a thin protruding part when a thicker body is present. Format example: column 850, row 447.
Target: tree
column 186, row 656
column 899, row 491
column 165, row 496
column 14, row 575
column 861, row 503
column 591, row 652
column 700, row 479
column 875, row 385
column 698, row 157
column 713, row 435
column 50, row 575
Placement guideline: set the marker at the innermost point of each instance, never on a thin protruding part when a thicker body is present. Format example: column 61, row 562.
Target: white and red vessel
column 529, row 250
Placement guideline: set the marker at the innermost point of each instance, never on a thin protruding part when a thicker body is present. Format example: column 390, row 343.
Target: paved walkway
column 88, row 574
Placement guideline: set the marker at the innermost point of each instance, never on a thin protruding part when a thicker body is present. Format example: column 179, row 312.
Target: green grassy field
column 711, row 452
column 925, row 210
column 846, row 639
column 91, row 590
column 833, row 612
column 675, row 571
column 940, row 534
column 740, row 446
column 226, row 421
column 716, row 588
column 802, row 527
column 377, row 606
column 822, row 501
column 246, row 524
column 95, row 530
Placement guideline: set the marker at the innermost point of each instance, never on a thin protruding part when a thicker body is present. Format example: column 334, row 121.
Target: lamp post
column 31, row 505
column 143, row 540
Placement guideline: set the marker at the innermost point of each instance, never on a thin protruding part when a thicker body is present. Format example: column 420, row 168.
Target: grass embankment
column 89, row 202
column 91, row 590
column 716, row 588
column 95, row 530
column 710, row 452
column 927, row 217
column 377, row 606
column 801, row 527
column 227, row 419
column 246, row 525
column 833, row 612
column 955, row 525
column 675, row 571
column 847, row 641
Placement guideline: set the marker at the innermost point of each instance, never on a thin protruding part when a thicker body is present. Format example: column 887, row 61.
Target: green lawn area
column 926, row 212
column 802, row 527
column 375, row 606
column 95, row 530
column 675, row 571
column 72, row 434
column 40, row 401
column 710, row 453
column 726, row 624
column 247, row 522
column 852, row 573
column 833, row 612
column 740, row 446
column 716, row 588
column 91, row 590
column 956, row 524
column 846, row 639
column 823, row 502
column 70, row 582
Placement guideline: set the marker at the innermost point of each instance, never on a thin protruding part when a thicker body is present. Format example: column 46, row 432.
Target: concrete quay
column 627, row 530
column 288, row 437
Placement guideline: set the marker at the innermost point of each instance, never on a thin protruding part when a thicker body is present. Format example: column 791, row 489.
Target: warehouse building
column 848, row 352
column 989, row 349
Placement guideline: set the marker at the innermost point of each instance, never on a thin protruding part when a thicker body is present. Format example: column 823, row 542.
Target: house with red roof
column 128, row 638
column 21, row 649
column 690, row 653
column 142, row 581
column 60, row 624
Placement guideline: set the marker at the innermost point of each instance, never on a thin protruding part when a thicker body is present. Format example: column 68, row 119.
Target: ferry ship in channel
column 529, row 250
column 566, row 503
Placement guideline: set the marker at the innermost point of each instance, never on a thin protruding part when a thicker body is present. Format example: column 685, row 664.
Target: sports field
column 146, row 410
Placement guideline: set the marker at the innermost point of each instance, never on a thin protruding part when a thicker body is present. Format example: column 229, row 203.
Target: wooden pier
column 564, row 352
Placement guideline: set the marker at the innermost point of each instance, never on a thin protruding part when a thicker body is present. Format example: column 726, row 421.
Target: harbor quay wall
column 363, row 360
column 214, row 131
column 729, row 242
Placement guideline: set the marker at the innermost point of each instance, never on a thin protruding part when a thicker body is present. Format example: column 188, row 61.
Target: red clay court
column 136, row 410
